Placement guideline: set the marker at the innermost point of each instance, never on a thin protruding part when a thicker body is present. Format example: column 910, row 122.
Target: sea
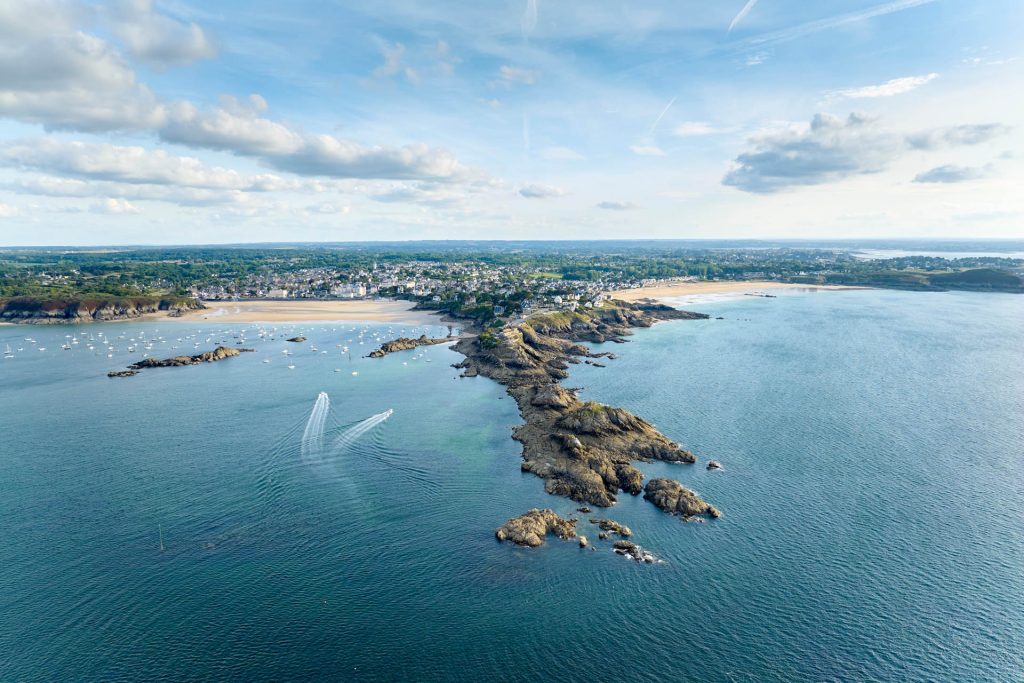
column 334, row 520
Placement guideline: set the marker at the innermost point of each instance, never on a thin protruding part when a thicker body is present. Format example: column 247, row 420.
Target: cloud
column 830, row 149
column 113, row 207
column 896, row 86
column 562, row 154
column 616, row 206
column 647, row 150
column 528, row 22
column 50, row 186
column 7, row 211
column 64, row 78
column 741, row 14
column 283, row 148
column 509, row 75
column 326, row 209
column 132, row 165
column 536, row 191
column 951, row 174
column 954, row 136
column 157, row 38
column 693, row 128
column 394, row 64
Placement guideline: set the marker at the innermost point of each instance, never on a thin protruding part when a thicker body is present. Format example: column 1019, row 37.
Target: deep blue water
column 873, row 498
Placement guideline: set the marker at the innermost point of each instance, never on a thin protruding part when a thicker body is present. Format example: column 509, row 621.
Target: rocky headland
column 219, row 353
column 407, row 343
column 28, row 309
column 583, row 450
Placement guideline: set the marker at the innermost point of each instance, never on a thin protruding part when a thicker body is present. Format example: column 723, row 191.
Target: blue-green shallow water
column 873, row 494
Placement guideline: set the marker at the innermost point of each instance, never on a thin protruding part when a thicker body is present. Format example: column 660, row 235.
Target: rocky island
column 531, row 527
column 219, row 353
column 407, row 343
column 583, row 450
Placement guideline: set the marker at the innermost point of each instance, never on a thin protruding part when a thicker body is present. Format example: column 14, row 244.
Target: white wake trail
column 313, row 435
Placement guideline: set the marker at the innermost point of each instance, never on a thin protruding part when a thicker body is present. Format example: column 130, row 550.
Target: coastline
column 673, row 290
column 299, row 310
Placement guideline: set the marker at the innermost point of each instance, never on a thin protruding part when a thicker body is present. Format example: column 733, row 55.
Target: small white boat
column 291, row 367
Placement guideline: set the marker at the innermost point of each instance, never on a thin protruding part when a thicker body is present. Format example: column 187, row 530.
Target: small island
column 407, row 343
column 219, row 353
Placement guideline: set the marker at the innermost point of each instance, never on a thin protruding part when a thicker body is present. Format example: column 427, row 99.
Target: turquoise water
column 873, row 491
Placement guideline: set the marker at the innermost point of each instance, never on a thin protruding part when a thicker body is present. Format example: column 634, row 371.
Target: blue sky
column 133, row 121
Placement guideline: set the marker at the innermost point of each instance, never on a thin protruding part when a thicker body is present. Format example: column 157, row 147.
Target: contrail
column 529, row 19
column 833, row 22
column 662, row 114
column 743, row 12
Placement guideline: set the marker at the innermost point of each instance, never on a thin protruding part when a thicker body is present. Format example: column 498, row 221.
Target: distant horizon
column 824, row 242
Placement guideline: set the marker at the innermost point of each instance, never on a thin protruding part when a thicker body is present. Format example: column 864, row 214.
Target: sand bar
column 671, row 290
column 299, row 310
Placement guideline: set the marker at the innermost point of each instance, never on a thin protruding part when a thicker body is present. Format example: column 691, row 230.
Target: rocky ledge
column 406, row 343
column 583, row 450
column 219, row 353
column 531, row 527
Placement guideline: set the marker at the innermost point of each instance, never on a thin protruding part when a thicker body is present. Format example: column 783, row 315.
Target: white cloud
column 114, row 207
column 157, row 38
column 896, row 86
column 134, row 165
column 647, row 150
column 537, row 191
column 616, row 206
column 50, row 186
column 954, row 136
column 828, row 150
column 326, row 209
column 509, row 75
column 832, row 149
column 951, row 174
column 7, row 211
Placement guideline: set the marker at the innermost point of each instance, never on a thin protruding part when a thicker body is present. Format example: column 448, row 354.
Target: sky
column 177, row 122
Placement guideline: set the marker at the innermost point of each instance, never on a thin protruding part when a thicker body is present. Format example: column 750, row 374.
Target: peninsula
column 583, row 450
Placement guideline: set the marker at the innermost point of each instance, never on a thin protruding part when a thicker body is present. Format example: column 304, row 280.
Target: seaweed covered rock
column 531, row 527
column 612, row 526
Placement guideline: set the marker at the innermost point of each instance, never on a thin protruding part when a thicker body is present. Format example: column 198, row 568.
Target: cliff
column 91, row 309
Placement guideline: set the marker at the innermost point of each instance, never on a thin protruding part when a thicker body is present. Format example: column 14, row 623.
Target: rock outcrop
column 26, row 309
column 297, row 340
column 583, row 450
column 220, row 353
column 406, row 343
column 632, row 551
column 122, row 373
column 531, row 527
column 674, row 498
column 612, row 526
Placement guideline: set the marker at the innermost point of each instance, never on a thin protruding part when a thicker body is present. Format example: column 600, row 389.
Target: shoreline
column 675, row 290
column 298, row 310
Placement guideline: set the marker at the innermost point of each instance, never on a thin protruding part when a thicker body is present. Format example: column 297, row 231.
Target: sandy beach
column 671, row 290
column 380, row 310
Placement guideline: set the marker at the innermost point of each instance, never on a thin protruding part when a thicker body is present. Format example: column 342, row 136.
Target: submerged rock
column 298, row 339
column 531, row 527
column 673, row 497
column 714, row 465
column 122, row 373
column 632, row 551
